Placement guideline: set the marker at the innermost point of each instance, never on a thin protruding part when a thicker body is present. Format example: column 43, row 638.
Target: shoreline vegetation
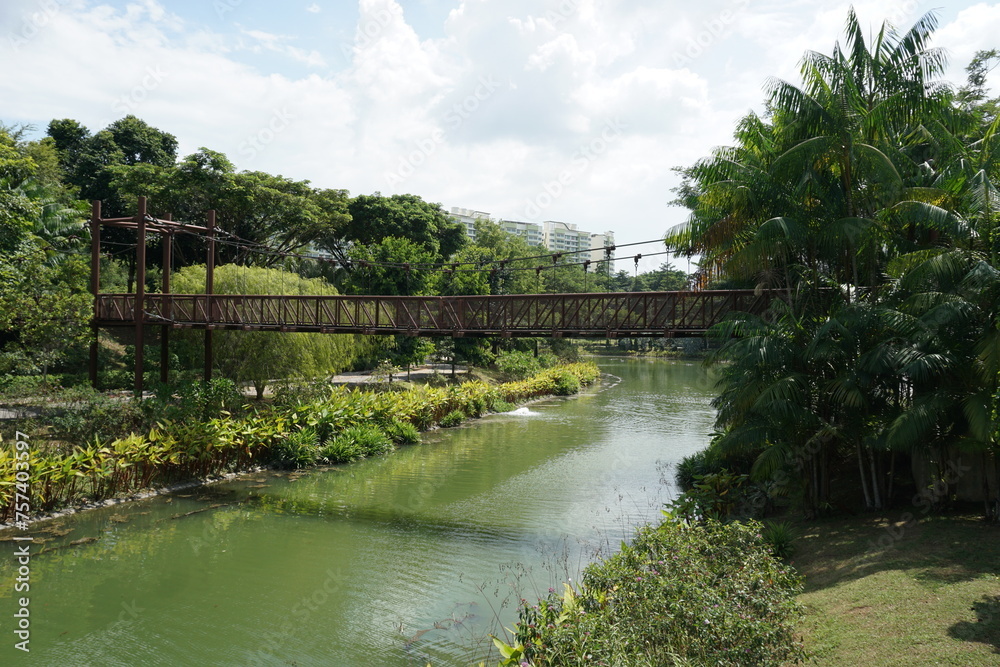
column 207, row 431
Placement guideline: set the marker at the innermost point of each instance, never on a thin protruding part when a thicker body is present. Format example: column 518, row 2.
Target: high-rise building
column 598, row 245
column 468, row 218
column 552, row 235
column 531, row 232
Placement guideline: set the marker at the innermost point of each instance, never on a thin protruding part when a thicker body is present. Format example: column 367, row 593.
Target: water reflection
column 397, row 561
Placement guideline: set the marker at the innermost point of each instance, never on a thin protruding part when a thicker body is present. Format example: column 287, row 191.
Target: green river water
column 404, row 560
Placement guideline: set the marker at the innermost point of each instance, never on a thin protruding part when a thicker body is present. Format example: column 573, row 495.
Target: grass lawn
column 881, row 591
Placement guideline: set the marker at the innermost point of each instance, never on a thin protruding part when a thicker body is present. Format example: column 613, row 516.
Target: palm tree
column 804, row 193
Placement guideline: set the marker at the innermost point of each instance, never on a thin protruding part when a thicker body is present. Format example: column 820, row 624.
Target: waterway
column 399, row 561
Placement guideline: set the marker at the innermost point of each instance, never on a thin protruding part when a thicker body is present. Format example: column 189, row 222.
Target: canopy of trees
column 867, row 194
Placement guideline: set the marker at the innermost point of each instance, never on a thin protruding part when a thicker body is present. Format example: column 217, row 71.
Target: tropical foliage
column 678, row 594
column 866, row 198
column 200, row 437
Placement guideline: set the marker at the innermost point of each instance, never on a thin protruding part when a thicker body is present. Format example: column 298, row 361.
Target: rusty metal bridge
column 587, row 315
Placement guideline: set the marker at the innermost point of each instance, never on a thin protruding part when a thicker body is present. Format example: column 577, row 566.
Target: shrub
column 780, row 536
column 298, row 449
column 357, row 442
column 341, row 450
column 402, row 433
column 517, row 365
column 566, row 384
column 453, row 418
column 500, row 405
column 711, row 594
column 371, row 440
column 691, row 467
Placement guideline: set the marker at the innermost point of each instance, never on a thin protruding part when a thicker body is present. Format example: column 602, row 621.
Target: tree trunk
column 259, row 387
column 987, row 509
column 876, row 482
column 892, row 480
column 864, row 477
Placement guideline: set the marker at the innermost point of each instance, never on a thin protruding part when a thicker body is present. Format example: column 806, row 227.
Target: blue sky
column 571, row 110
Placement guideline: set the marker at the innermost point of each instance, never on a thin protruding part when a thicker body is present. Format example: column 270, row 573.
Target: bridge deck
column 592, row 315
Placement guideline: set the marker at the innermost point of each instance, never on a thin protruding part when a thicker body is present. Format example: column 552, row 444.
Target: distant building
column 531, row 232
column 468, row 218
column 598, row 243
column 552, row 235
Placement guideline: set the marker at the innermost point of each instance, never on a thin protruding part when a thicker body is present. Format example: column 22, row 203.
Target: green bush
column 372, row 440
column 780, row 536
column 693, row 466
column 566, row 384
column 341, row 450
column 517, row 365
column 357, row 442
column 402, row 433
column 453, row 418
column 500, row 405
column 298, row 449
column 710, row 593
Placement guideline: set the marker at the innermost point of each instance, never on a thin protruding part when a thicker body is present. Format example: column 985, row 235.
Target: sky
column 569, row 110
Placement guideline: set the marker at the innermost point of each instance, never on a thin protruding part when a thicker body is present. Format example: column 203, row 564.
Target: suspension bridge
column 581, row 315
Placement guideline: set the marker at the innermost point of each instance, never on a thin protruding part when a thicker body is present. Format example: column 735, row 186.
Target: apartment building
column 468, row 217
column 552, row 235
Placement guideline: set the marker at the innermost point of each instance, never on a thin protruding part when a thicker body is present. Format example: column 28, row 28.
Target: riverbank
column 337, row 425
column 883, row 593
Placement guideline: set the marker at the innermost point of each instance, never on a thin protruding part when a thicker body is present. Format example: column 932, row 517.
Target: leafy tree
column 868, row 174
column 44, row 307
column 259, row 357
column 392, row 266
column 89, row 161
column 827, row 188
column 374, row 218
column 279, row 214
column 973, row 96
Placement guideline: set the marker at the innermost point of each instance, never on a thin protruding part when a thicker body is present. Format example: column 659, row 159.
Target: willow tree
column 259, row 357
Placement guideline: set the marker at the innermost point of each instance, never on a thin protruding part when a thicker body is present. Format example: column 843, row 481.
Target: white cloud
column 277, row 44
column 485, row 113
column 314, row 8
column 975, row 28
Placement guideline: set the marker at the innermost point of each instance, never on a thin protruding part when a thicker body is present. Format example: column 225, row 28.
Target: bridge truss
column 586, row 315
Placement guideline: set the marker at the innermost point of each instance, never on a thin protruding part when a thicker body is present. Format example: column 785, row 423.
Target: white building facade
column 552, row 235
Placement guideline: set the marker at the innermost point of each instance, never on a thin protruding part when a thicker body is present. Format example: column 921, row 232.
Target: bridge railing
column 589, row 314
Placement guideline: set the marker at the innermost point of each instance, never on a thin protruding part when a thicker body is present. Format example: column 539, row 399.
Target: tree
column 262, row 356
column 278, row 214
column 825, row 190
column 89, row 161
column 44, row 305
column 374, row 218
column 392, row 266
column 865, row 175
